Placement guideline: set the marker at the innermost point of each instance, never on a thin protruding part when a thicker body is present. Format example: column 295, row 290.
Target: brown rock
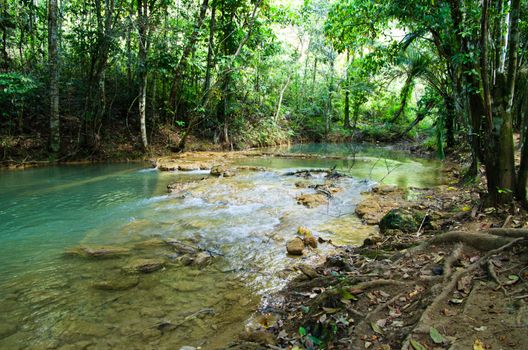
column 367, row 207
column 189, row 167
column 312, row 200
column 310, row 241
column 295, row 246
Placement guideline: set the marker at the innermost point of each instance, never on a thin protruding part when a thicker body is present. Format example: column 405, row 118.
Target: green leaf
column 376, row 328
column 436, row 336
column 315, row 340
column 302, row 331
column 417, row 345
column 347, row 295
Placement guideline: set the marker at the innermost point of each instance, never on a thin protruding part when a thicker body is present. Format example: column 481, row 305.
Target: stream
column 50, row 300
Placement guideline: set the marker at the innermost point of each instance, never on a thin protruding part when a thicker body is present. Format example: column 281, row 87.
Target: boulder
column 367, row 207
column 399, row 219
column 295, row 246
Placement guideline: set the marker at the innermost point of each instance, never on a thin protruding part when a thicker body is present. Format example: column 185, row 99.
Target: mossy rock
column 399, row 219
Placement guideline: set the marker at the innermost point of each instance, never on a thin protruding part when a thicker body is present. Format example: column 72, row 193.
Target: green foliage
column 15, row 86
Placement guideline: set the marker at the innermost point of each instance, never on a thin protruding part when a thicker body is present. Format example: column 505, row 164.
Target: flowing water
column 50, row 300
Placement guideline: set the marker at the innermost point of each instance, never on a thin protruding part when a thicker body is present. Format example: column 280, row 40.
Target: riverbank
column 443, row 272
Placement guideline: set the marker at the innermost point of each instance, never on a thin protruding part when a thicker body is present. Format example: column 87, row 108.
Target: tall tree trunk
column 450, row 117
column 522, row 176
column 314, row 75
column 328, row 114
column 53, row 57
column 210, row 48
column 142, row 71
column 346, row 123
column 4, row 66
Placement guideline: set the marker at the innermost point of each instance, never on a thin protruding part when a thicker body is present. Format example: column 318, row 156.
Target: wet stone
column 117, row 283
column 312, row 200
column 295, row 246
column 144, row 265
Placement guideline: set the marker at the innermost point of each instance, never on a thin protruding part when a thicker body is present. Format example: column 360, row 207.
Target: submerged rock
column 182, row 247
column 150, row 244
column 117, row 283
column 98, row 252
column 144, row 265
column 312, row 200
column 202, row 259
column 295, row 246
column 398, row 219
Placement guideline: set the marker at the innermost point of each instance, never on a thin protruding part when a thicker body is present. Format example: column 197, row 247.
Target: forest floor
column 455, row 278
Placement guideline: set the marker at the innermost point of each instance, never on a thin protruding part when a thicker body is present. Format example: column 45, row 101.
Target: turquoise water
column 49, row 301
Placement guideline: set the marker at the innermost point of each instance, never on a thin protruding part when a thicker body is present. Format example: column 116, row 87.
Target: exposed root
column 376, row 284
column 509, row 232
column 451, row 259
column 494, row 277
column 426, row 320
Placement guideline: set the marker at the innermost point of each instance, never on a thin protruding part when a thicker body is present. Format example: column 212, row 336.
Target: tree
column 53, row 39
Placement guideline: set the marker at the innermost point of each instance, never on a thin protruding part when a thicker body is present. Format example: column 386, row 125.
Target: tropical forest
column 263, row 174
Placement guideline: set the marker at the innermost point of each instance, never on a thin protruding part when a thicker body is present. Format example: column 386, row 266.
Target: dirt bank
column 452, row 275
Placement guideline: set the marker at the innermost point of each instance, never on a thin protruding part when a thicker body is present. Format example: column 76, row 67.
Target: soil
column 459, row 282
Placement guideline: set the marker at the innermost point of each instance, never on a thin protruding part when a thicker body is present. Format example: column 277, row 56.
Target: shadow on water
column 52, row 301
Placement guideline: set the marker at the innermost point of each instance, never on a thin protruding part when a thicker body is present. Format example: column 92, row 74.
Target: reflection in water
column 49, row 300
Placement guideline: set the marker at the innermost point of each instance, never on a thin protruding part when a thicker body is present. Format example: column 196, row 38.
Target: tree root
column 426, row 320
column 451, row 259
column 509, row 232
column 375, row 284
column 494, row 277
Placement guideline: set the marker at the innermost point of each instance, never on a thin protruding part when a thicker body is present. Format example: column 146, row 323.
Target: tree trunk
column 53, row 57
column 142, row 71
column 4, row 66
column 450, row 116
column 210, row 47
column 522, row 177
column 346, row 123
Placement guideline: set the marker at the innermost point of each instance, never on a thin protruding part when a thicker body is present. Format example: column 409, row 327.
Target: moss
column 399, row 219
